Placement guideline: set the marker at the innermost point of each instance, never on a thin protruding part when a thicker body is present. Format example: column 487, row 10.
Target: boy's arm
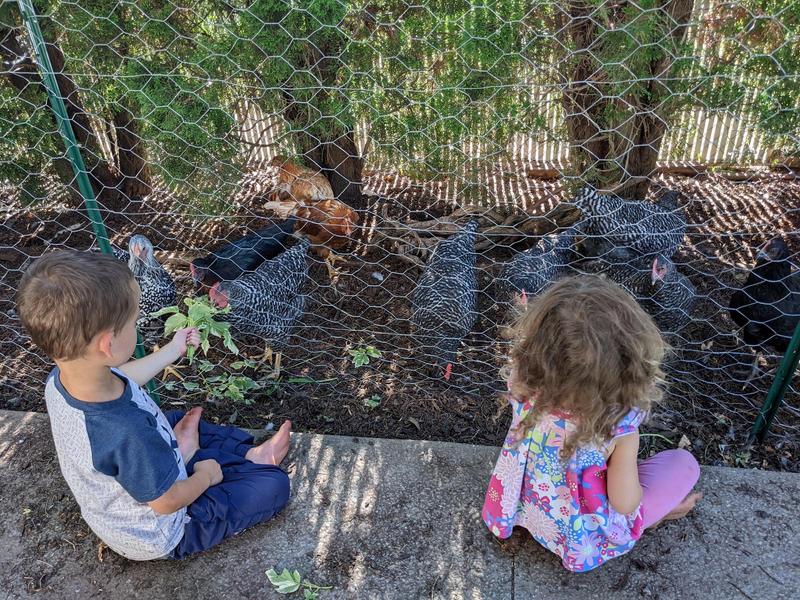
column 622, row 477
column 183, row 493
column 144, row 369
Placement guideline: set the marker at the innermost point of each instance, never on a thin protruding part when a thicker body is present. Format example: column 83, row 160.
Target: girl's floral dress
column 563, row 505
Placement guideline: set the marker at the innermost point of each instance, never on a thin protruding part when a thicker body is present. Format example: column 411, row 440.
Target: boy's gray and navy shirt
column 116, row 457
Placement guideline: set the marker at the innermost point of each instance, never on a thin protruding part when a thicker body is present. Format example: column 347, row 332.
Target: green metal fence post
column 779, row 385
column 70, row 142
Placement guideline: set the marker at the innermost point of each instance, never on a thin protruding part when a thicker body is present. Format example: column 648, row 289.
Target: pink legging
column 666, row 479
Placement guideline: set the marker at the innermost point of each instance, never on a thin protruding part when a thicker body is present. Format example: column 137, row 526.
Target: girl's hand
column 184, row 338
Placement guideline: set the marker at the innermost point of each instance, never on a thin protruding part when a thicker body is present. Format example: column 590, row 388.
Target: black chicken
column 156, row 285
column 446, row 297
column 622, row 231
column 767, row 308
column 667, row 295
column 529, row 273
column 267, row 302
column 230, row 261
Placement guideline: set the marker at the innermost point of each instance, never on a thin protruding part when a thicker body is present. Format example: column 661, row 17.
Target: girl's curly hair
column 586, row 347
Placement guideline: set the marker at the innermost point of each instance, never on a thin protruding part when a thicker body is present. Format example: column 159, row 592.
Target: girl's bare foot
column 273, row 451
column 187, row 434
column 686, row 505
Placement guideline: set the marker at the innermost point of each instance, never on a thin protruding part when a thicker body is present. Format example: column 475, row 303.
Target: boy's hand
column 184, row 338
column 211, row 468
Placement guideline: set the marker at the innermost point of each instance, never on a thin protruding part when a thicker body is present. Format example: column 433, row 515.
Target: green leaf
column 175, row 322
column 373, row 401
column 199, row 313
column 310, row 594
column 167, row 310
column 205, row 366
column 228, row 342
column 373, row 352
column 191, row 385
column 285, row 582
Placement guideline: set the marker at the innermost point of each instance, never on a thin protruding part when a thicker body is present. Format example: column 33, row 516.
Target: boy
column 149, row 485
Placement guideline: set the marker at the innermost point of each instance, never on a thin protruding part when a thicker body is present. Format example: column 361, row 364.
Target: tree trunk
column 24, row 76
column 131, row 156
column 613, row 153
column 340, row 162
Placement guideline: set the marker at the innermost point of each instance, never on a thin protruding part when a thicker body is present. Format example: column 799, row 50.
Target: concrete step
column 393, row 519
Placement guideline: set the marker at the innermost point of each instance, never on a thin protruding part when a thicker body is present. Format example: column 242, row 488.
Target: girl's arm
column 624, row 491
column 143, row 370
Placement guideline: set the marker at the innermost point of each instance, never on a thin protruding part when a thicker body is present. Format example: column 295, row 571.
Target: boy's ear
column 104, row 342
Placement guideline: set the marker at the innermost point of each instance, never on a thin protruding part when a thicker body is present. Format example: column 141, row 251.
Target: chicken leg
column 169, row 369
column 274, row 359
column 330, row 260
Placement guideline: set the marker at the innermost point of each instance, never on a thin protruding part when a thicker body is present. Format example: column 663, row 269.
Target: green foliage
column 200, row 315
column 288, row 582
column 234, row 386
column 361, row 355
column 373, row 401
column 428, row 83
column 755, row 66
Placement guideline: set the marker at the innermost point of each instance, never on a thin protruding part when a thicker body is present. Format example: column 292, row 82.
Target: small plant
column 373, row 401
column 289, row 583
column 200, row 315
column 362, row 354
column 232, row 386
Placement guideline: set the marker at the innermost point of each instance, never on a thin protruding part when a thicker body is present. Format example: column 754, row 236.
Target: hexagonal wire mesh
column 411, row 120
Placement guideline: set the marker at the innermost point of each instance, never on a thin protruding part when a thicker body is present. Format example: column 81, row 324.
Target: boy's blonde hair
column 67, row 297
column 587, row 348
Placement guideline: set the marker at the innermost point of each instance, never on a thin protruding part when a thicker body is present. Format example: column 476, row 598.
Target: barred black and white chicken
column 445, row 299
column 667, row 295
column 529, row 273
column 156, row 285
column 621, row 231
column 268, row 301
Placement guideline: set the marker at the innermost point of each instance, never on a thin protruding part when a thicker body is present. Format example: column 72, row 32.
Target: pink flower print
column 493, row 495
column 591, row 522
column 590, row 492
column 585, row 550
column 508, row 470
column 540, row 502
column 539, row 524
column 564, row 495
column 509, row 502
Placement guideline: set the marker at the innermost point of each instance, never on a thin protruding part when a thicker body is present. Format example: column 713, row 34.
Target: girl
column 585, row 369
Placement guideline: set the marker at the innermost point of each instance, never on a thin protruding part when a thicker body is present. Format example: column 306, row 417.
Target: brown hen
column 326, row 222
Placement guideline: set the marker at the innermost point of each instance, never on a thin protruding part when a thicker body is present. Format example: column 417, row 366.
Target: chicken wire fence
column 445, row 161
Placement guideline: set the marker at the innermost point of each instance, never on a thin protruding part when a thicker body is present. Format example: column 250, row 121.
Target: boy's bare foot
column 187, row 434
column 273, row 451
column 686, row 505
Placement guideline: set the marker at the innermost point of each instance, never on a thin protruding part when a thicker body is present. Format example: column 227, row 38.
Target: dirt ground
column 708, row 407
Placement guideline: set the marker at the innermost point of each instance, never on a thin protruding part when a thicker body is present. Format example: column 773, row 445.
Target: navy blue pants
column 248, row 494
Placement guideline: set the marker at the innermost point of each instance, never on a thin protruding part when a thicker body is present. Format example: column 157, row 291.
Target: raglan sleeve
column 134, row 453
